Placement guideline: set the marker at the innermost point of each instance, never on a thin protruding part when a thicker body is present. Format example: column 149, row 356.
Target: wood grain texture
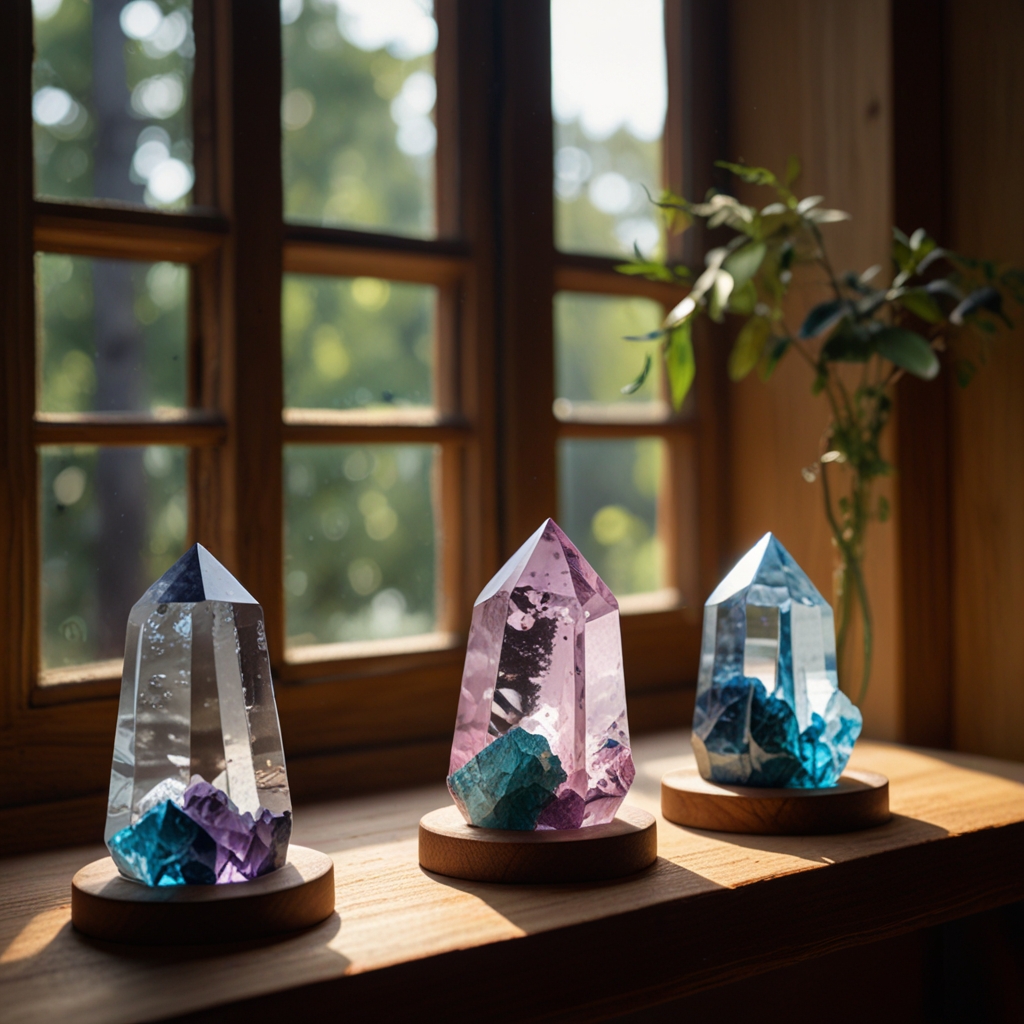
column 335, row 251
column 861, row 800
column 526, row 338
column 299, row 895
column 195, row 428
column 832, row 109
column 403, row 941
column 450, row 847
column 107, row 230
column 986, row 91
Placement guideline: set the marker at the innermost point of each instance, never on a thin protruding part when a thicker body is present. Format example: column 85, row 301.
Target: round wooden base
column 861, row 800
column 448, row 846
column 298, row 895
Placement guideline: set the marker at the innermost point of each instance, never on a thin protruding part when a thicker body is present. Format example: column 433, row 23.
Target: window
column 351, row 320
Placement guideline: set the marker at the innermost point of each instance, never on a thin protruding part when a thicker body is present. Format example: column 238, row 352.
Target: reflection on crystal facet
column 541, row 738
column 198, row 789
column 769, row 710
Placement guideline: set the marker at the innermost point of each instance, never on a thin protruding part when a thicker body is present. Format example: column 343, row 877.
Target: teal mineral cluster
column 769, row 711
column 541, row 739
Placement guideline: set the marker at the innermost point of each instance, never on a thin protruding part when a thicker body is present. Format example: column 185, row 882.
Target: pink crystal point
column 544, row 656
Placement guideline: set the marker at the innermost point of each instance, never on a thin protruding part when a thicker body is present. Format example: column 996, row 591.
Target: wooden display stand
column 861, row 800
column 106, row 906
column 448, row 846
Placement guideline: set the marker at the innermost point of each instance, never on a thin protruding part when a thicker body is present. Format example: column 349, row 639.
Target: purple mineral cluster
column 246, row 846
column 203, row 839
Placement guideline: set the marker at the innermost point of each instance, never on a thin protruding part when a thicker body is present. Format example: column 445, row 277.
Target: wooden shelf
column 404, row 945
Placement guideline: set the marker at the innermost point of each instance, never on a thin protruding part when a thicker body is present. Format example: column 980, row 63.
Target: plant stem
column 849, row 552
column 862, row 593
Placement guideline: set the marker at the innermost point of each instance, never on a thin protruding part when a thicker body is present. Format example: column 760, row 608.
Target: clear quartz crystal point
column 541, row 738
column 198, row 788
column 769, row 710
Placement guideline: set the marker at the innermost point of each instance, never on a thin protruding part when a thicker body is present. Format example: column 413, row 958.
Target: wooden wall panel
column 986, row 167
column 923, row 438
column 812, row 78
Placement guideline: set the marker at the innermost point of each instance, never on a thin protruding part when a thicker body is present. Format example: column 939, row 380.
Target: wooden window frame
column 359, row 716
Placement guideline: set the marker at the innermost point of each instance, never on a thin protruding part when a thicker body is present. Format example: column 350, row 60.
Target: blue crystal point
column 769, row 711
column 510, row 783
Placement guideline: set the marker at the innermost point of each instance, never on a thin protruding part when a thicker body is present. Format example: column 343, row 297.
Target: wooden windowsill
column 403, row 944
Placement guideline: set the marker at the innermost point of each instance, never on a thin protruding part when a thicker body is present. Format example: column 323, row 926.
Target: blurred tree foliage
column 359, row 144
column 358, row 149
column 601, row 190
column 74, row 630
column 74, row 627
column 67, row 343
column 359, row 542
column 608, row 503
column 608, row 489
column 157, row 95
column 359, row 139
column 356, row 342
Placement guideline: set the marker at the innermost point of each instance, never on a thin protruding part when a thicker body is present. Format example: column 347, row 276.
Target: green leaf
column 792, row 170
column 637, row 384
column 649, row 269
column 820, row 216
column 981, row 298
column 852, row 343
column 750, row 342
column 965, row 371
column 743, row 299
column 883, row 509
column 855, row 282
column 935, row 254
column 901, row 254
column 822, row 317
column 909, row 350
column 751, row 175
column 944, row 287
column 719, row 297
column 680, row 363
column 808, row 203
column 680, row 312
column 773, row 352
column 744, row 263
column 921, row 303
column 650, row 336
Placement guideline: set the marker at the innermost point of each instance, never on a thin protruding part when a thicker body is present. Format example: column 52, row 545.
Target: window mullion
column 244, row 359
column 19, row 598
column 527, row 336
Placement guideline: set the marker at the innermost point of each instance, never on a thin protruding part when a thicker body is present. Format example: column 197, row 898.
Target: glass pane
column 113, row 334
column 112, row 521
column 112, row 100
column 609, row 94
column 592, row 362
column 360, row 548
column 357, row 342
column 608, row 498
column 357, row 113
